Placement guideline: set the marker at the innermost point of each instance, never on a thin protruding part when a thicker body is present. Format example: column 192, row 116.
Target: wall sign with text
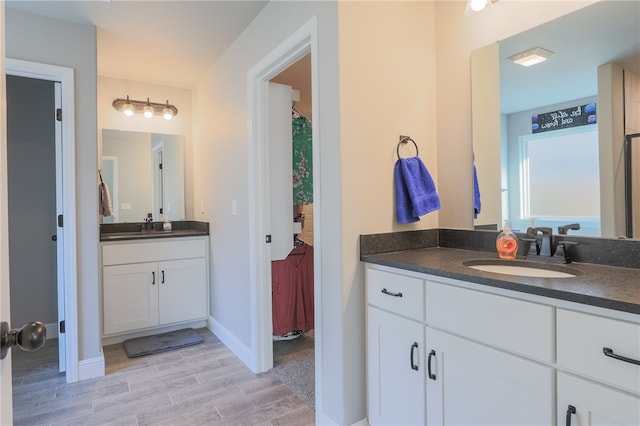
column 564, row 118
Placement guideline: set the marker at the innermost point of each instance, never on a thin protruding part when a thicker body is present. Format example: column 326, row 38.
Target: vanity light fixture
column 149, row 109
column 530, row 57
column 478, row 5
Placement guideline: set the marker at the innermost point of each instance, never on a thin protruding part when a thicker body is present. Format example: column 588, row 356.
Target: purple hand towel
column 416, row 193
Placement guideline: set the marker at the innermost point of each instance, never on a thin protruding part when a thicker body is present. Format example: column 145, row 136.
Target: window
column 559, row 175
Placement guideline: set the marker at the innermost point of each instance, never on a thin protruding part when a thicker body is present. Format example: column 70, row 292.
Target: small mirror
column 145, row 174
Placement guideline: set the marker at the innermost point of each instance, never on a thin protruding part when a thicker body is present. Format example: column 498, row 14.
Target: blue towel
column 416, row 193
column 477, row 205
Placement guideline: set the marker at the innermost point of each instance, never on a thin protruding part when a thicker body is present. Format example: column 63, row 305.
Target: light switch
column 234, row 207
column 125, row 206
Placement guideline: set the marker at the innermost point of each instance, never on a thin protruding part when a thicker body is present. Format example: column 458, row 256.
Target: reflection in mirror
column 569, row 168
column 145, row 174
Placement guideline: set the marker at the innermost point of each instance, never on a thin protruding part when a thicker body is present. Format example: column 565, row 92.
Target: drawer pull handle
column 609, row 352
column 153, row 277
column 570, row 410
column 431, row 375
column 388, row 293
column 413, row 347
column 162, row 282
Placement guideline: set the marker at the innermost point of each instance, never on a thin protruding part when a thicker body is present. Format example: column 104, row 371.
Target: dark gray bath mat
column 161, row 342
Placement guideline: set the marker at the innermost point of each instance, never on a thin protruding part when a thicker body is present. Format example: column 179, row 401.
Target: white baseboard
column 231, row 341
column 91, row 368
column 52, row 330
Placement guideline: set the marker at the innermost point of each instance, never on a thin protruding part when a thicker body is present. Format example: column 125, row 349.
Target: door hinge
column 268, row 238
column 59, row 114
column 62, row 327
column 60, row 221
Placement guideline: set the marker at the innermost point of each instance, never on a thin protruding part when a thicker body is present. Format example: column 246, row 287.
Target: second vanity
column 447, row 344
column 153, row 280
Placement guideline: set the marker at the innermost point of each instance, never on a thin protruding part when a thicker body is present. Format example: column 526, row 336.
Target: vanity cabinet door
column 585, row 403
column 182, row 290
column 395, row 369
column 130, row 297
column 473, row 384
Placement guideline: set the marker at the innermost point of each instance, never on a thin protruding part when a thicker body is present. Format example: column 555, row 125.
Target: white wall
column 38, row 39
column 108, row 118
column 356, row 163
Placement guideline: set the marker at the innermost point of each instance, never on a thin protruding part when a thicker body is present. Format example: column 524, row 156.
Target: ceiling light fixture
column 149, row 109
column 531, row 57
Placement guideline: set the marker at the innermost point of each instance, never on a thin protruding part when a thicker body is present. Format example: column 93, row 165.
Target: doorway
column 302, row 42
column 292, row 266
column 61, row 112
column 31, row 170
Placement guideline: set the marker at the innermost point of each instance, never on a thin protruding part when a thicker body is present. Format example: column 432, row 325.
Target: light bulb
column 148, row 110
column 477, row 5
column 167, row 113
column 128, row 108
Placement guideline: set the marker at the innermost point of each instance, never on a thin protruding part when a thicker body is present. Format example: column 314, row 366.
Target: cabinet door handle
column 431, row 375
column 162, row 282
column 388, row 293
column 570, row 410
column 609, row 352
column 413, row 347
column 153, row 277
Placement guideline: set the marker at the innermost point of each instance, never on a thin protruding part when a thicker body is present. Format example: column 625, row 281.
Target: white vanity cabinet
column 395, row 349
column 154, row 283
column 495, row 357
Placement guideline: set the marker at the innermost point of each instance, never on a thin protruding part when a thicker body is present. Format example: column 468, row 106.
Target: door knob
column 30, row 337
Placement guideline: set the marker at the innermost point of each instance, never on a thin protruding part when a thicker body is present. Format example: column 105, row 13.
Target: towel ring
column 405, row 139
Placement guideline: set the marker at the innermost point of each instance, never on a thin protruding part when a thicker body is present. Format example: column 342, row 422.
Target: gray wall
column 32, row 200
column 38, row 39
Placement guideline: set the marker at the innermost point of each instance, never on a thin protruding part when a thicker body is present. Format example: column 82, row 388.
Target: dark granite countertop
column 135, row 230
column 609, row 287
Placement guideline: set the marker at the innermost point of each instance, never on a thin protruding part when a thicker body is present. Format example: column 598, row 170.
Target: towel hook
column 405, row 139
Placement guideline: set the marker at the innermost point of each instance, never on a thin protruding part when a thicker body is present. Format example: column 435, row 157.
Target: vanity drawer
column 397, row 293
column 518, row 326
column 154, row 251
column 581, row 342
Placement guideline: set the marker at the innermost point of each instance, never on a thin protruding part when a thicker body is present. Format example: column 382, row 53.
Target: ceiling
column 169, row 42
column 598, row 34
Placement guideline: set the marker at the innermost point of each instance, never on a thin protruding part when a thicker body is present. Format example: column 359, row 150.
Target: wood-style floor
column 205, row 384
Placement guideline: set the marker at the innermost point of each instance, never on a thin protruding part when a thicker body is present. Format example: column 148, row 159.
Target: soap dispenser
column 507, row 243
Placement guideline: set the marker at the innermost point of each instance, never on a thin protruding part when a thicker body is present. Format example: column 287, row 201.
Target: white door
column 395, row 369
column 6, row 396
column 585, row 403
column 182, row 290
column 62, row 340
column 476, row 384
column 280, row 147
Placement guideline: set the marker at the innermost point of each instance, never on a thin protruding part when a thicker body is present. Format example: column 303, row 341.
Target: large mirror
column 548, row 138
column 145, row 174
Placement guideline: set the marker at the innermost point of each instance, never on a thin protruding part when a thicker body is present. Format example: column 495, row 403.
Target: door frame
column 298, row 44
column 65, row 76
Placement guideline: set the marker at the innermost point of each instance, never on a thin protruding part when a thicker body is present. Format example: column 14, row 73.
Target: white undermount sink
column 522, row 268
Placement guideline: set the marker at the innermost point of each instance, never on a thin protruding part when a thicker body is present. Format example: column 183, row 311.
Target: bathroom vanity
column 448, row 344
column 154, row 279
